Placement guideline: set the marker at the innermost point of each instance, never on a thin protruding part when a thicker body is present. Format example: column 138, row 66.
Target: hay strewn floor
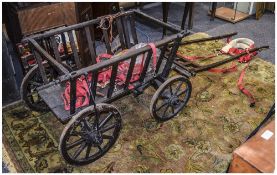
column 201, row 138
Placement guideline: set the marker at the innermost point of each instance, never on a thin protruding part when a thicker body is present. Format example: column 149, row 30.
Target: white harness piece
column 239, row 43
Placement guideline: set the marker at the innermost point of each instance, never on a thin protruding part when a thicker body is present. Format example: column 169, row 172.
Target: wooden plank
column 93, row 87
column 40, row 66
column 72, row 95
column 120, row 32
column 145, row 66
column 64, row 43
column 107, row 41
column 55, row 48
column 126, row 32
column 90, row 45
column 257, row 154
column 159, row 62
column 228, row 14
column 133, row 29
column 130, row 72
column 74, row 49
column 112, row 80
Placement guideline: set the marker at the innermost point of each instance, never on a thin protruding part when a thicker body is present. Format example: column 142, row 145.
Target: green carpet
column 201, row 138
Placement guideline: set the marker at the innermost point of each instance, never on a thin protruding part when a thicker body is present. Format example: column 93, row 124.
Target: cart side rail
column 161, row 72
column 44, row 46
column 130, row 55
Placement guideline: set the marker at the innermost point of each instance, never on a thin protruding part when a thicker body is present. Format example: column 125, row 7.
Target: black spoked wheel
column 29, row 85
column 87, row 137
column 170, row 98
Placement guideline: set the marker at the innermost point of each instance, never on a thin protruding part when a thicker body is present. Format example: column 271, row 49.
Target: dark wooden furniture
column 47, row 16
column 188, row 12
column 257, row 155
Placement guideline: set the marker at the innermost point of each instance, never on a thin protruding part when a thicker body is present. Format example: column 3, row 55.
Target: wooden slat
column 126, row 32
column 107, row 41
column 133, row 29
column 93, row 87
column 41, row 67
column 112, row 80
column 93, row 36
column 161, row 58
column 145, row 66
column 64, row 43
column 120, row 32
column 55, row 49
column 74, row 49
column 130, row 72
column 171, row 57
column 72, row 95
column 90, row 45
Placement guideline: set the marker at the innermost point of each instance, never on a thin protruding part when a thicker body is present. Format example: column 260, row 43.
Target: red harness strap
column 82, row 93
column 242, row 89
column 244, row 59
column 124, row 66
column 233, row 68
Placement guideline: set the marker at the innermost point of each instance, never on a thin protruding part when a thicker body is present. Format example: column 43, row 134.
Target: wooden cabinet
column 257, row 154
column 23, row 19
column 45, row 17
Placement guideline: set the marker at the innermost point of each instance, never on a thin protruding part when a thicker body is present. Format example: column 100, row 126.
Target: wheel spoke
column 183, row 92
column 107, row 137
column 165, row 95
column 166, row 109
column 172, row 109
column 100, row 149
column 86, row 124
column 74, row 144
column 170, row 90
column 103, row 122
column 34, row 83
column 178, row 87
column 75, row 133
column 107, row 128
column 161, row 106
column 88, row 150
column 80, row 149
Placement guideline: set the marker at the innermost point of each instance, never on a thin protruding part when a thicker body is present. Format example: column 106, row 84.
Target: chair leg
column 165, row 14
column 186, row 10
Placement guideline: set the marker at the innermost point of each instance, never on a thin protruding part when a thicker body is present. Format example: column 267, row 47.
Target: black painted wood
column 107, row 41
column 130, row 72
column 40, row 66
column 55, row 49
column 160, row 59
column 145, row 66
column 74, row 49
column 133, row 29
column 112, row 80
column 120, row 32
column 90, row 45
column 72, row 95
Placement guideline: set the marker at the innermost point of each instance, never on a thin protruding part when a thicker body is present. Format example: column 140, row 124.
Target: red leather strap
column 154, row 52
column 82, row 94
column 233, row 68
column 242, row 89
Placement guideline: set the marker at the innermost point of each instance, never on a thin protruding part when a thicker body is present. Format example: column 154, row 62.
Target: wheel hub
column 94, row 137
column 174, row 100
